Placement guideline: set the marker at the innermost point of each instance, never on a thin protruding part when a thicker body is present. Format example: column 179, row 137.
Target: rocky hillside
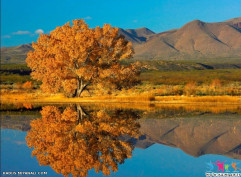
column 196, row 39
column 15, row 55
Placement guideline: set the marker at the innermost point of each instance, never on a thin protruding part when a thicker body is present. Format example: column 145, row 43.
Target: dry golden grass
column 39, row 97
column 216, row 99
column 137, row 98
column 199, row 99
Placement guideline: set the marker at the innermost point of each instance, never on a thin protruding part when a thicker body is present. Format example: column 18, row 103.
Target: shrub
column 28, row 85
column 215, row 83
column 190, row 88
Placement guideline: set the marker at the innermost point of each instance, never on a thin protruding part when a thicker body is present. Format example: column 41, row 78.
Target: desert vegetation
column 154, row 85
column 94, row 64
column 214, row 82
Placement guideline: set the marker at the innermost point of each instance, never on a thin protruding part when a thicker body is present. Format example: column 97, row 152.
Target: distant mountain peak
column 145, row 29
column 194, row 23
column 136, row 36
column 25, row 46
column 234, row 20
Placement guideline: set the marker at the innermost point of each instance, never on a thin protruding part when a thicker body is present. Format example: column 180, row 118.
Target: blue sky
column 23, row 20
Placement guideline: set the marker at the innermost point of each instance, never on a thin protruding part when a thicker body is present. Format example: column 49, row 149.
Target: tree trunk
column 80, row 87
column 80, row 113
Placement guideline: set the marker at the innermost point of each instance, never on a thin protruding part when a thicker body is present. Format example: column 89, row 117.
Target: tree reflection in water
column 71, row 141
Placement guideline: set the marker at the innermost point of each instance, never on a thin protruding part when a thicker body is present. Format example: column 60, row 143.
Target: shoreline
column 137, row 99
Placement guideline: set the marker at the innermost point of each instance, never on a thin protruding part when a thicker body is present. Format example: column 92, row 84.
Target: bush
column 28, row 85
column 190, row 88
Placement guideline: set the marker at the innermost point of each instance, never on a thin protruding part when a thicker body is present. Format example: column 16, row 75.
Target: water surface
column 119, row 141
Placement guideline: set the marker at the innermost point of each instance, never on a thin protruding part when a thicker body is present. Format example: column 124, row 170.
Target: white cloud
column 87, row 18
column 6, row 36
column 135, row 21
column 21, row 33
column 19, row 142
column 38, row 31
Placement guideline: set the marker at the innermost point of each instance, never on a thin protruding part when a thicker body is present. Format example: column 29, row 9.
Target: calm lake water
column 119, row 140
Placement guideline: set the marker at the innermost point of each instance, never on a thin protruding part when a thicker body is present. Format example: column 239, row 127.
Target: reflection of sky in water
column 157, row 160
column 16, row 156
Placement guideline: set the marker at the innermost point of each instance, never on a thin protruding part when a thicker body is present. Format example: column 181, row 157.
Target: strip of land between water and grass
column 60, row 98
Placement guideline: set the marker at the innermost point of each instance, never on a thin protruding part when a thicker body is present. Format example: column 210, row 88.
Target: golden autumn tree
column 72, row 142
column 71, row 58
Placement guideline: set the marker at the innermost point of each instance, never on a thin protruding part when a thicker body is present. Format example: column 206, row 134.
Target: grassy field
column 11, row 74
column 226, row 76
column 183, row 78
column 12, row 67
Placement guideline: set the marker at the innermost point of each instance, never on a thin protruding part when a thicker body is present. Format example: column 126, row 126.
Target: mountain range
column 195, row 40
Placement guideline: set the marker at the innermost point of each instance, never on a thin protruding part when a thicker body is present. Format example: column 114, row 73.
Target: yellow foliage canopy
column 72, row 57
